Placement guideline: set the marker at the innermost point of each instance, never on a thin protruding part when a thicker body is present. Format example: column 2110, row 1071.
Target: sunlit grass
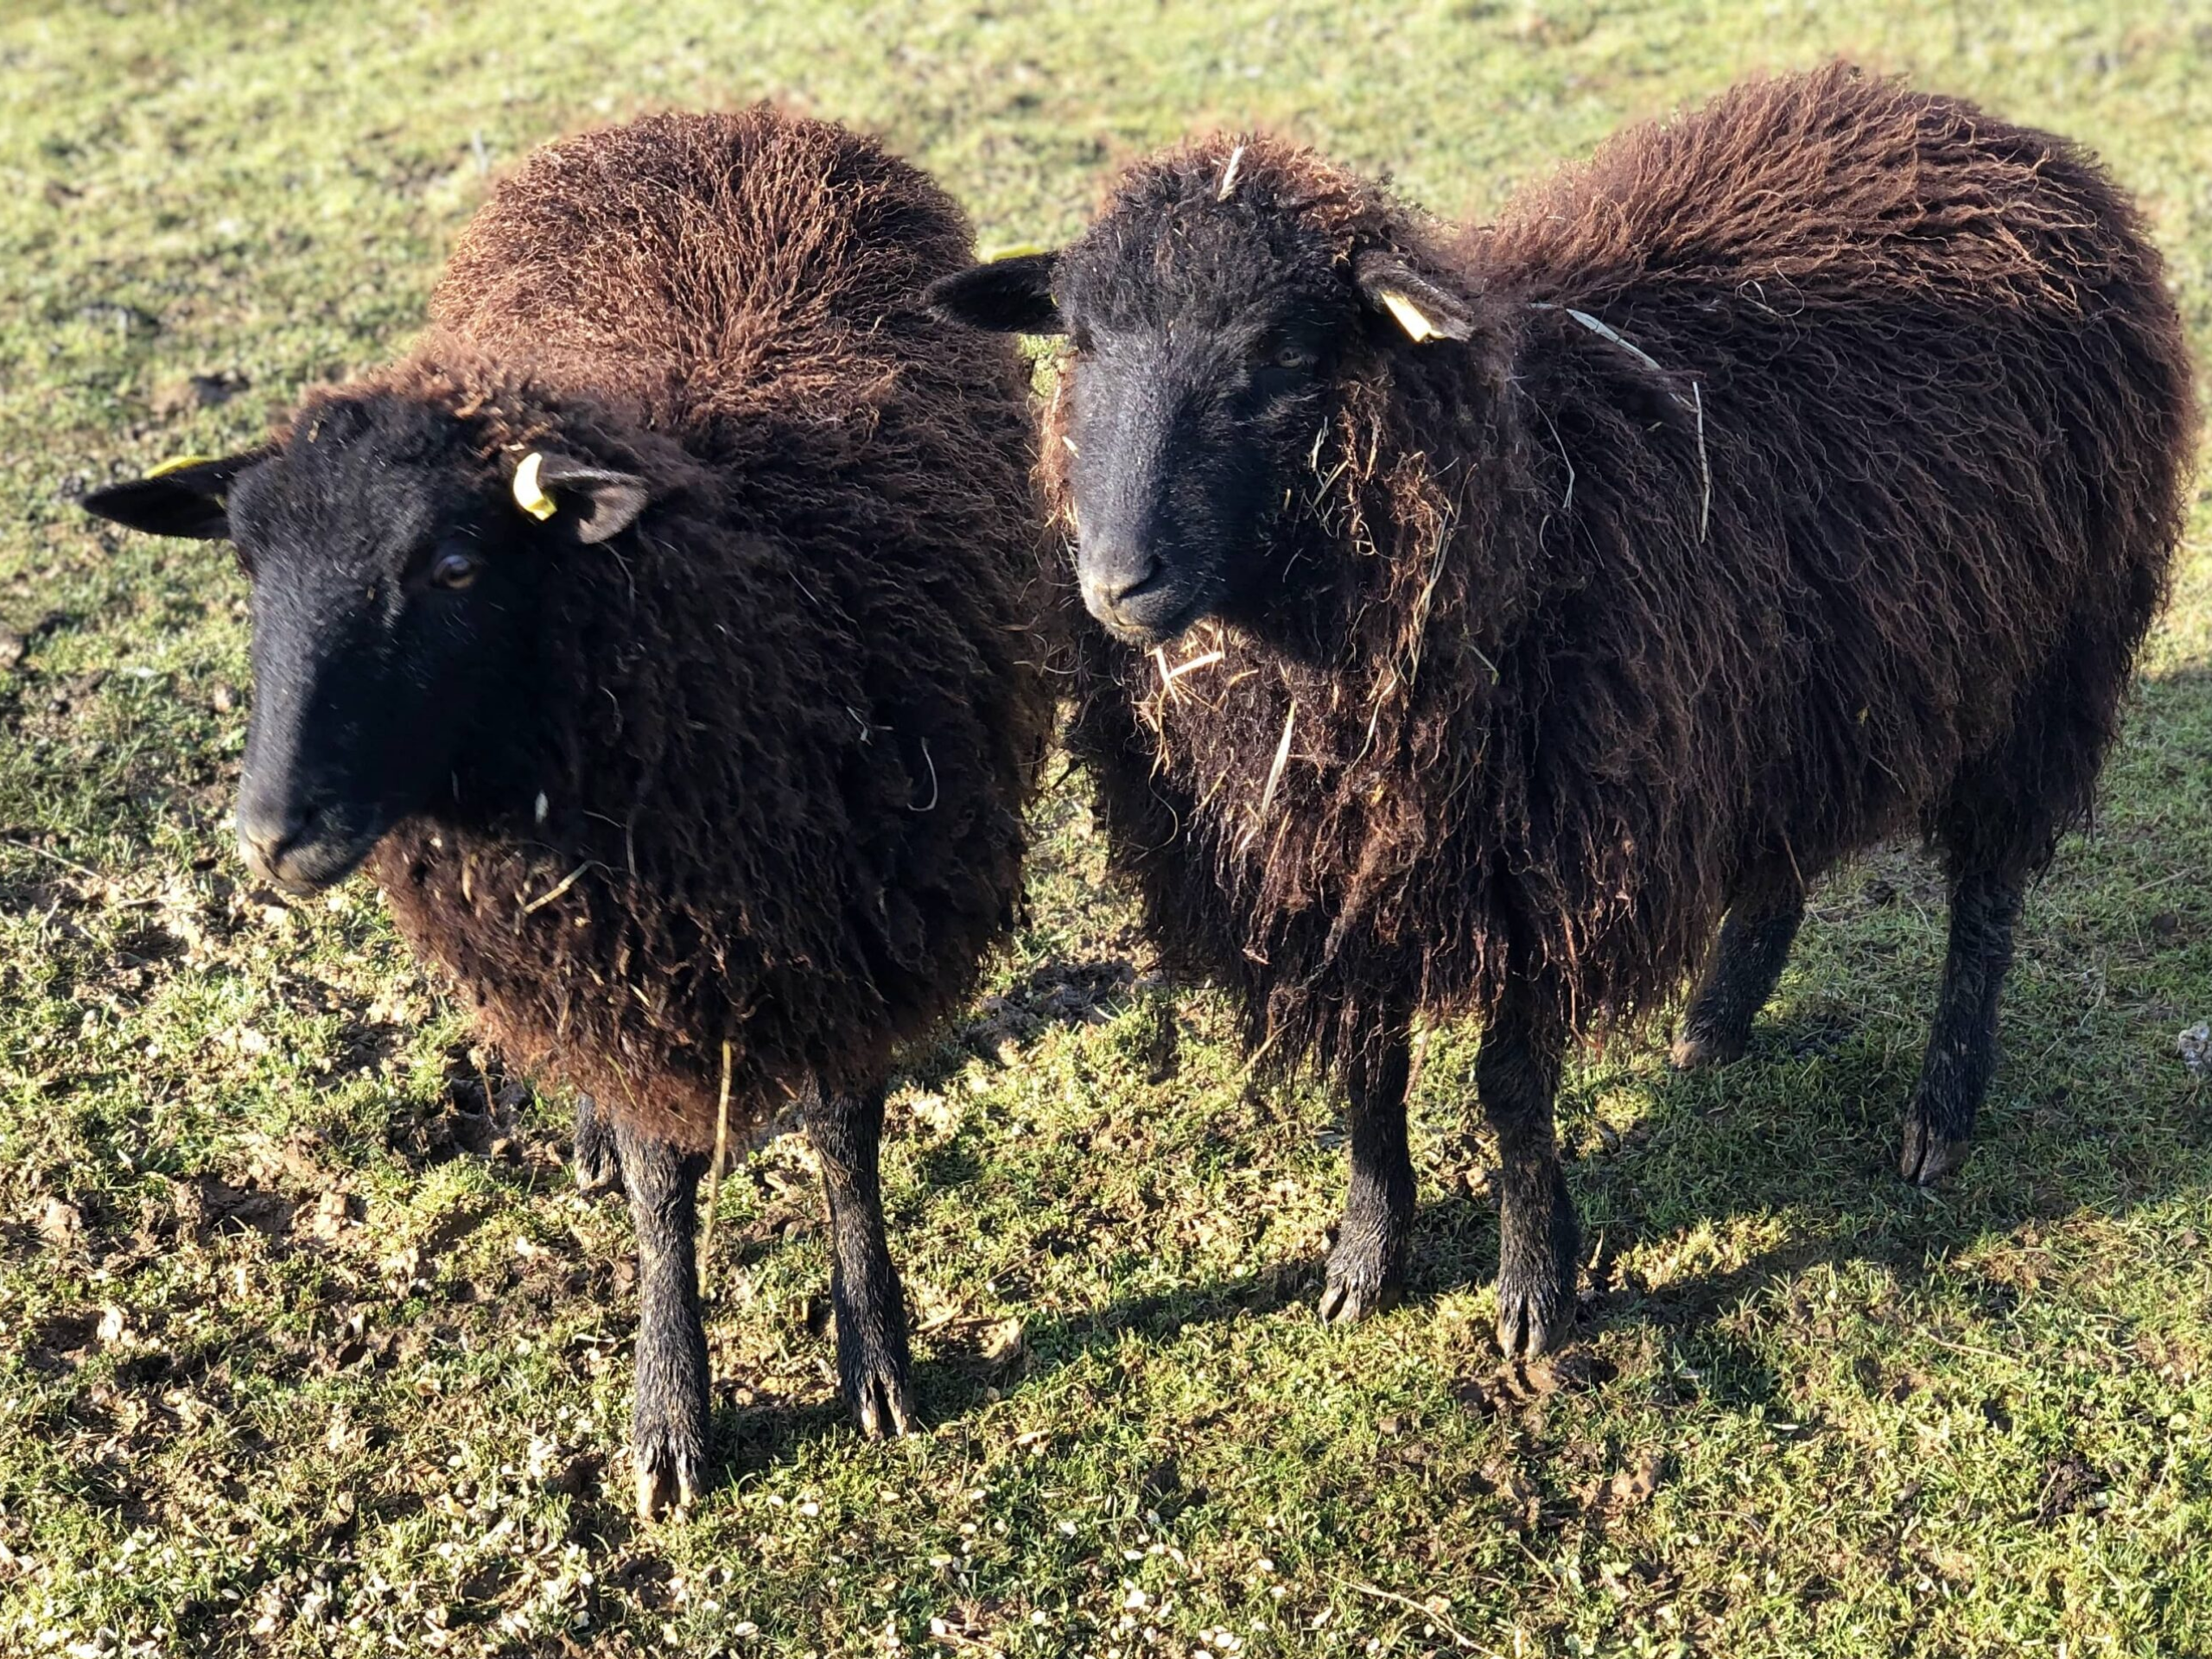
column 305, row 1352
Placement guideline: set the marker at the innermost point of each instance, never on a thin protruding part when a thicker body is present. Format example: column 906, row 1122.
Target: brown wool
column 1582, row 649
column 795, row 717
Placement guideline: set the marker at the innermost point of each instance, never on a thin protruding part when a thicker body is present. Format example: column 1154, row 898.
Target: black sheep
column 1486, row 612
column 658, row 631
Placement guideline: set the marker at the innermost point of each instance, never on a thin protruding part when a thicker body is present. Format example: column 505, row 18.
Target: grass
column 313, row 1348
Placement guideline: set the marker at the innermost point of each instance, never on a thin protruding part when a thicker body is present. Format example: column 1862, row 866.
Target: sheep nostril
column 1115, row 580
column 265, row 832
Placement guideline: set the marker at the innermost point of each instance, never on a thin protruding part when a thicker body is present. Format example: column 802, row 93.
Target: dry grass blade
column 1169, row 676
column 1603, row 331
column 715, row 1175
column 565, row 883
column 1704, row 471
column 1460, row 1637
column 40, row 851
column 1229, row 173
column 1282, row 759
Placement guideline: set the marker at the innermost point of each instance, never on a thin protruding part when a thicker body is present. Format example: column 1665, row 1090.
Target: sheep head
column 395, row 564
column 1213, row 312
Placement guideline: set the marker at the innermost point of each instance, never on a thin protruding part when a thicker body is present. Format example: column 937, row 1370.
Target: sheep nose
column 1114, row 576
column 265, row 831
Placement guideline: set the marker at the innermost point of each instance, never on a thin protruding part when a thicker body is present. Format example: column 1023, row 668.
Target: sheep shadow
column 1059, row 992
column 2081, row 1119
column 770, row 1430
column 1911, row 1234
column 2092, row 1113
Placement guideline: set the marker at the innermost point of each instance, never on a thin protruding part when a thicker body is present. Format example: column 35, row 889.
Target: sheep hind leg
column 1746, row 964
column 1539, row 1241
column 873, row 1364
column 1367, row 1269
column 1961, row 1053
column 596, row 1163
column 669, row 1423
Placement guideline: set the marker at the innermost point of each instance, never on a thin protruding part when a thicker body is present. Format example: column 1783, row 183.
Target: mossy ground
column 311, row 1347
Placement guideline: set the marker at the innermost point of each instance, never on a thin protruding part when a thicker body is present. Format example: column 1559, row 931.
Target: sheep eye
column 453, row 570
column 1294, row 357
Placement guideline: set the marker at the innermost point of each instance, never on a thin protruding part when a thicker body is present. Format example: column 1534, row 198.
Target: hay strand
column 1229, row 173
column 1282, row 759
column 566, row 882
column 1704, row 471
column 715, row 1175
column 1603, row 331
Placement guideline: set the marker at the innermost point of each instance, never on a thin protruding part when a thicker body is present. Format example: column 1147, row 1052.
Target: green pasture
column 309, row 1346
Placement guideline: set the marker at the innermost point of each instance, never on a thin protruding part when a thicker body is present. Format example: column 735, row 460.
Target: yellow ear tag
column 529, row 494
column 177, row 464
column 1410, row 317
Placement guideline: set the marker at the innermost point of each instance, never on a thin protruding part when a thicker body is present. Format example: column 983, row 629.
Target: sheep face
column 393, row 580
column 1211, row 321
column 1187, row 412
column 1199, row 367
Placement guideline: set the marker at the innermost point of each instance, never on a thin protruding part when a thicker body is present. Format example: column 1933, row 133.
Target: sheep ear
column 1423, row 309
column 186, row 497
column 1013, row 295
column 606, row 502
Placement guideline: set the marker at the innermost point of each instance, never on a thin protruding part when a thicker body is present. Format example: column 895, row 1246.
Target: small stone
column 1003, row 1344
column 331, row 1212
column 60, row 1223
column 1637, row 1481
column 2195, row 1048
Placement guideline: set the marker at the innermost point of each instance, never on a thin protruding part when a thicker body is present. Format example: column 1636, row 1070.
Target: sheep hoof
column 1930, row 1157
column 1535, row 1286
column 884, row 1404
column 665, row 1479
column 1532, row 1322
column 1697, row 1050
column 1351, row 1294
column 669, row 1436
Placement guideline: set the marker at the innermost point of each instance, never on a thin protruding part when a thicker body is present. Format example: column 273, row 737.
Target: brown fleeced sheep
column 658, row 630
column 1488, row 612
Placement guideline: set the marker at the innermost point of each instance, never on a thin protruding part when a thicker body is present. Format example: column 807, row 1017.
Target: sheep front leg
column 873, row 1362
column 1367, row 1269
column 667, row 1436
column 1539, row 1243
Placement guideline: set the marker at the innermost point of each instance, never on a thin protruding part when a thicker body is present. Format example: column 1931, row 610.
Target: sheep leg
column 668, row 1435
column 1540, row 1242
column 596, row 1163
column 1962, row 1045
column 1746, row 964
column 1367, row 1269
column 873, row 1362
